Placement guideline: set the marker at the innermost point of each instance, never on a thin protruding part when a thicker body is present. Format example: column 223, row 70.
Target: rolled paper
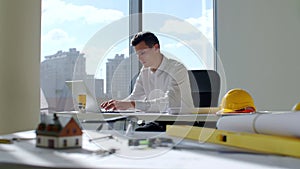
column 279, row 123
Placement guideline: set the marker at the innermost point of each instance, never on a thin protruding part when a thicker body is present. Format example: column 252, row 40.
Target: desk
column 24, row 154
column 206, row 114
column 145, row 116
column 208, row 120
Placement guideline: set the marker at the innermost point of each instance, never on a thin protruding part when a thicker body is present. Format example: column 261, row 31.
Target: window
column 65, row 143
column 90, row 40
column 51, row 143
column 181, row 26
column 76, row 141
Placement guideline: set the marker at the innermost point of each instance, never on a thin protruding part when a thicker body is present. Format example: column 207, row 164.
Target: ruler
column 279, row 145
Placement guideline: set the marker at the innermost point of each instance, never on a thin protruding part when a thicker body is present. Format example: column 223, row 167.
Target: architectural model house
column 59, row 133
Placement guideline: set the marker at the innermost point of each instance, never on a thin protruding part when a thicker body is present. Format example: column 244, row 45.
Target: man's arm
column 138, row 92
column 177, row 92
column 184, row 88
column 117, row 105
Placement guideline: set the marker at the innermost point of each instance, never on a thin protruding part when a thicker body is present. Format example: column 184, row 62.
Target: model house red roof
column 59, row 126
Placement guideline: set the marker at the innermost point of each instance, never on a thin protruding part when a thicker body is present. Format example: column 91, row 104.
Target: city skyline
column 63, row 19
column 64, row 66
column 77, row 69
column 99, row 30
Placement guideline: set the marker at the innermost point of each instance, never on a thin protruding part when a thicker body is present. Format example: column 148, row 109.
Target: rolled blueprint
column 283, row 123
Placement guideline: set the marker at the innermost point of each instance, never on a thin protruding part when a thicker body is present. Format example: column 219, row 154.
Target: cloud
column 173, row 45
column 204, row 24
column 56, row 35
column 55, row 39
column 67, row 16
column 177, row 26
column 189, row 27
column 58, row 11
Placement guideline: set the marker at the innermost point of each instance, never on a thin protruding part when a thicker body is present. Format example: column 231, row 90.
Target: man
column 162, row 82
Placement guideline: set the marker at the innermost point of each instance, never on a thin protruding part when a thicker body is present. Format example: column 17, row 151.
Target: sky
column 72, row 23
column 68, row 24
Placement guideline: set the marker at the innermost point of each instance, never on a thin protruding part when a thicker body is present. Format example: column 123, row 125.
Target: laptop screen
column 78, row 87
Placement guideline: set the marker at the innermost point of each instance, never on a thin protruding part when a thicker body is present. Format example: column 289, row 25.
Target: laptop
column 78, row 87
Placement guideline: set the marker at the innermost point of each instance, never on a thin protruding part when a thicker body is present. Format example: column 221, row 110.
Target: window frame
column 136, row 25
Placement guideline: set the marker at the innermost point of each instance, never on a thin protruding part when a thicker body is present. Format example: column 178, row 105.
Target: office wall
column 19, row 65
column 259, row 42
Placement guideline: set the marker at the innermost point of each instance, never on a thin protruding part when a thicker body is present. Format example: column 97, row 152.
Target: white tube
column 240, row 123
column 284, row 124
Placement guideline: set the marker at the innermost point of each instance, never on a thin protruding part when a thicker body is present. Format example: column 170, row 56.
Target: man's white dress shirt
column 169, row 82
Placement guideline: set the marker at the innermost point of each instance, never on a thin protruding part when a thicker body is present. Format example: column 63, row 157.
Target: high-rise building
column 96, row 86
column 61, row 67
column 71, row 65
column 116, row 76
column 119, row 75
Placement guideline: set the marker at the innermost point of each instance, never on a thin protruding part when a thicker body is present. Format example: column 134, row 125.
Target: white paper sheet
column 283, row 123
column 24, row 154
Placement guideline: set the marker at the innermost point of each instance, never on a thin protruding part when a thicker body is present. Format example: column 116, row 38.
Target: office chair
column 205, row 86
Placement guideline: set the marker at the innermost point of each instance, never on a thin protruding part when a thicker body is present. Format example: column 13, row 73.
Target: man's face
column 144, row 54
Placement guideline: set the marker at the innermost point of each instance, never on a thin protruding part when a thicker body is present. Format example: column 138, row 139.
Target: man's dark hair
column 149, row 38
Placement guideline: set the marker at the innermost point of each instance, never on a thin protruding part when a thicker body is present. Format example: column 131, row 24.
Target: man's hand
column 117, row 105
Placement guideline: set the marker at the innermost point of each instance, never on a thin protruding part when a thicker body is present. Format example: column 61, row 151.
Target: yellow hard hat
column 235, row 100
column 296, row 107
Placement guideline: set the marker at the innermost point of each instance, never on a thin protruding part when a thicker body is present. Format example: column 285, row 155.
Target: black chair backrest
column 205, row 86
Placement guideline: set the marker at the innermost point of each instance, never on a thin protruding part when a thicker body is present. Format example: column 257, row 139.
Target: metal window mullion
column 135, row 26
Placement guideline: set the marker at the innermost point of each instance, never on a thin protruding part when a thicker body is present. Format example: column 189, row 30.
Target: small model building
column 59, row 133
